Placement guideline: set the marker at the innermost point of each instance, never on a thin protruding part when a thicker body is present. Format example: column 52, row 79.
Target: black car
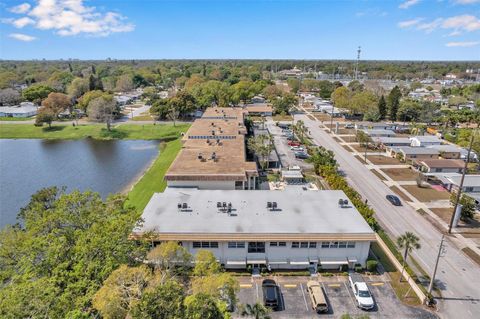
column 394, row 200
column 271, row 296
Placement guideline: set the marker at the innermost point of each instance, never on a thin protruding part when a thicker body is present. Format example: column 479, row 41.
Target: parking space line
column 256, row 288
column 304, row 298
column 246, row 286
column 333, row 285
column 350, row 295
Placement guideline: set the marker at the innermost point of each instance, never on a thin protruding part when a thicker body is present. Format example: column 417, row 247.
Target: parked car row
column 297, row 148
column 363, row 297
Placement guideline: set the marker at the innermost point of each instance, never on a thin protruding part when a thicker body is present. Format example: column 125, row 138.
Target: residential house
column 379, row 132
column 410, row 153
column 440, row 165
column 424, row 140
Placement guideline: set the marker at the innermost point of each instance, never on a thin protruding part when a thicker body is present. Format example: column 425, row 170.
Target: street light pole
column 440, row 250
column 331, row 121
column 459, row 191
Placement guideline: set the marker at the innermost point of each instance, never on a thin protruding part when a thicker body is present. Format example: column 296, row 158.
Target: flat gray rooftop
column 299, row 212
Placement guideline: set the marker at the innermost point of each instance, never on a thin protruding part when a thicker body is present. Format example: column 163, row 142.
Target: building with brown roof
column 213, row 155
column 441, row 165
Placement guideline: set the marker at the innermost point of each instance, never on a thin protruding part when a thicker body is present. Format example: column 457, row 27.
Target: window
column 304, row 244
column 236, row 244
column 312, row 244
column 325, row 244
column 334, row 244
column 205, row 244
column 295, row 244
column 273, row 244
column 256, row 247
column 351, row 244
column 282, row 244
column 342, row 244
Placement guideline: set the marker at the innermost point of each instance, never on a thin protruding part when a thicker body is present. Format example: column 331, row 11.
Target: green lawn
column 7, row 118
column 152, row 181
column 97, row 131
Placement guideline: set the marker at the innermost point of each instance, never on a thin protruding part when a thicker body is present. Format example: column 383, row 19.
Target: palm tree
column 257, row 311
column 409, row 241
column 300, row 129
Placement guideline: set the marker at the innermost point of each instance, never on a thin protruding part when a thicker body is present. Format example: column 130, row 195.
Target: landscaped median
column 96, row 131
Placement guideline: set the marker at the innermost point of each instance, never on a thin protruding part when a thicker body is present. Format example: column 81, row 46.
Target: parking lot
column 285, row 154
column 295, row 301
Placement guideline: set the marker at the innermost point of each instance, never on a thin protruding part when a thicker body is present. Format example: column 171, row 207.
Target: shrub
column 372, row 265
column 344, row 268
column 358, row 268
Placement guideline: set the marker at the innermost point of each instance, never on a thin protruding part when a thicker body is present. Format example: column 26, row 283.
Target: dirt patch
column 322, row 117
column 349, row 139
column 397, row 191
column 346, row 147
column 473, row 255
column 360, row 159
column 444, row 213
column 426, row 194
column 350, row 131
column 378, row 174
column 382, row 160
column 400, row 174
column 360, row 148
column 337, row 139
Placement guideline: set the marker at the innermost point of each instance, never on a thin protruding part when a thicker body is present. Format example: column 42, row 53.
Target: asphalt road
column 458, row 277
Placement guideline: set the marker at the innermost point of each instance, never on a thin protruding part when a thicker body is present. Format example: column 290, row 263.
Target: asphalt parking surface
column 285, row 154
column 295, row 301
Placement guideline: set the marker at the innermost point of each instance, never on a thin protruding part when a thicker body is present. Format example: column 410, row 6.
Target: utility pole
column 459, row 191
column 440, row 251
column 358, row 60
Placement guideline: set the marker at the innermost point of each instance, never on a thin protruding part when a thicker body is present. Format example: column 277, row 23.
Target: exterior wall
column 442, row 170
column 286, row 254
column 421, row 156
column 223, row 185
column 450, row 155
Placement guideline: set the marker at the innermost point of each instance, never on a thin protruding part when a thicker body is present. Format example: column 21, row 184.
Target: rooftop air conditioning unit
column 274, row 205
column 269, row 204
column 214, row 157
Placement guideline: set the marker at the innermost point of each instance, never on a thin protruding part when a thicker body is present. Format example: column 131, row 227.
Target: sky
column 248, row 29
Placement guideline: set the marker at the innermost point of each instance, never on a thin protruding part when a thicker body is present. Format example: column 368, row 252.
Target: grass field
column 426, row 194
column 383, row 160
column 152, row 181
column 96, row 131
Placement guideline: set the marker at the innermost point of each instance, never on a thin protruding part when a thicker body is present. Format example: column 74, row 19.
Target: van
column 317, row 296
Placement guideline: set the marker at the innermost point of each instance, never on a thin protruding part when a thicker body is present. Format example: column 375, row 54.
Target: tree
column 409, row 241
column 36, row 93
column 356, row 86
column 78, row 87
column 284, row 103
column 300, row 130
column 102, row 109
column 164, row 301
column 45, row 115
column 168, row 255
column 56, row 103
column 382, row 108
column 364, row 140
column 415, row 85
column 124, row 83
column 468, row 206
column 262, row 146
column 257, row 311
column 393, row 102
column 341, row 97
column 206, row 263
column 323, row 159
column 203, row 306
column 409, row 110
column 85, row 99
column 9, row 96
column 294, row 84
column 124, row 286
column 62, row 250
column 242, row 91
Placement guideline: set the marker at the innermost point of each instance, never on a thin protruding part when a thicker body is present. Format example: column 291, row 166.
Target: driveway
column 295, row 302
column 458, row 277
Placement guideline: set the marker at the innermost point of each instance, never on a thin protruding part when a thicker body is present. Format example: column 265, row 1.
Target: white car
column 297, row 148
column 360, row 291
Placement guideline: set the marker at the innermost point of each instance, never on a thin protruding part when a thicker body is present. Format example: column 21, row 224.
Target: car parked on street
column 301, row 155
column 349, row 125
column 360, row 291
column 394, row 200
column 271, row 296
column 293, row 143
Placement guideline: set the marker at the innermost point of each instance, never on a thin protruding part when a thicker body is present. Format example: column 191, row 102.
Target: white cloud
column 464, row 44
column 21, row 8
column 20, row 23
column 21, row 37
column 409, row 23
column 462, row 23
column 71, row 17
column 407, row 4
column 429, row 27
column 466, row 1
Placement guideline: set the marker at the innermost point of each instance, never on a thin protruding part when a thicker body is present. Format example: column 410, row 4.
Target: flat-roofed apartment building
column 290, row 229
column 213, row 154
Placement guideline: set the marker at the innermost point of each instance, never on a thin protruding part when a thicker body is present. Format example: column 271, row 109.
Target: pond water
column 27, row 165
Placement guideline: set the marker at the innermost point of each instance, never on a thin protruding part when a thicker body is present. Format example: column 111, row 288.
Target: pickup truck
column 361, row 292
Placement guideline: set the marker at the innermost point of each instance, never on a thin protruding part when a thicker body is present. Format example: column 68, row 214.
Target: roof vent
column 269, row 204
column 214, row 157
column 343, row 203
column 183, row 207
column 213, row 132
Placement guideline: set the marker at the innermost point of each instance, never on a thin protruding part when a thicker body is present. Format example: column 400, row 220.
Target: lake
column 27, row 165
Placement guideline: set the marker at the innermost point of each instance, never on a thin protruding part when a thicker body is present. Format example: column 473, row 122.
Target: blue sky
column 155, row 29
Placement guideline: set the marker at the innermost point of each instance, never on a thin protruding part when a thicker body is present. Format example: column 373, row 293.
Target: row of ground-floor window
column 285, row 254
